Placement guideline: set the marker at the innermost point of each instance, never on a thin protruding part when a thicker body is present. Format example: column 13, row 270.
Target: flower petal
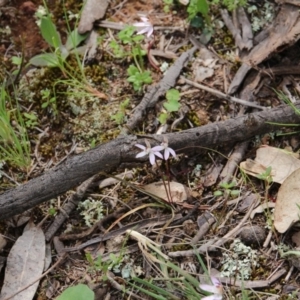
column 140, row 146
column 158, row 154
column 212, row 297
column 157, row 148
column 139, row 24
column 152, row 158
column 150, row 31
column 145, row 19
column 143, row 30
column 141, row 154
column 209, row 288
column 172, row 152
column 215, row 282
column 166, row 154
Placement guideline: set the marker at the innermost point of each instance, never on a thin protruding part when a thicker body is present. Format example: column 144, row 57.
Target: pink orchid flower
column 152, row 152
column 167, row 150
column 216, row 289
column 144, row 27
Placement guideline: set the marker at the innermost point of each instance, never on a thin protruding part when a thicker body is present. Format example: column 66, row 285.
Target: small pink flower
column 152, row 152
column 167, row 149
column 144, row 27
column 216, row 289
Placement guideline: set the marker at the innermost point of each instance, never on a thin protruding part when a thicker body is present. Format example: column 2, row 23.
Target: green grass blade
column 149, row 293
column 187, row 276
column 14, row 143
column 157, row 289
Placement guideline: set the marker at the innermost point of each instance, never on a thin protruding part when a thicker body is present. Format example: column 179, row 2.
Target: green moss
column 181, row 247
column 192, row 116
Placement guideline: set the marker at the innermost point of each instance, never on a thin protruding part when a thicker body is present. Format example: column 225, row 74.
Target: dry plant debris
column 286, row 208
column 158, row 155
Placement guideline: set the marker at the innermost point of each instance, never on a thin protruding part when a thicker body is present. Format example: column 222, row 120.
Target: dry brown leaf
column 253, row 168
column 178, row 191
column 282, row 162
column 286, row 209
column 261, row 208
column 204, row 66
column 25, row 263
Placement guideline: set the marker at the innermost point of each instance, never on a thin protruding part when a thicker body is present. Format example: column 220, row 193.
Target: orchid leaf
column 49, row 32
column 45, row 60
column 74, row 39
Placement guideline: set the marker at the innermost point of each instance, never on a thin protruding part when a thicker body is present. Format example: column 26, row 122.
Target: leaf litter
column 25, row 263
column 193, row 177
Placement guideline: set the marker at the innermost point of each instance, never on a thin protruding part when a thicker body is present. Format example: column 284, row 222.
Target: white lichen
column 91, row 211
column 262, row 16
column 240, row 262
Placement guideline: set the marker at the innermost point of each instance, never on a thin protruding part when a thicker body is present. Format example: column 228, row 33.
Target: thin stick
column 221, row 95
column 216, row 242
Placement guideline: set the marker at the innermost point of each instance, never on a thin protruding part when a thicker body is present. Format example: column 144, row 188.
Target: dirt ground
column 94, row 202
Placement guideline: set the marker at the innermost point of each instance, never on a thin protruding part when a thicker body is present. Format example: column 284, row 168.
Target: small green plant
column 285, row 251
column 130, row 45
column 117, row 49
column 171, row 105
column 52, row 211
column 127, row 36
column 74, row 79
column 131, row 48
column 167, row 5
column 198, row 6
column 31, row 120
column 119, row 117
column 93, row 143
column 17, row 61
column 14, row 142
column 226, row 190
column 267, row 178
column 171, row 282
column 48, row 101
column 78, row 292
column 282, row 96
column 99, row 265
column 114, row 263
column 230, row 4
column 59, row 51
column 138, row 78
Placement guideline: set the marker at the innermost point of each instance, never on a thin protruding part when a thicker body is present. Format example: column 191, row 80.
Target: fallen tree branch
column 68, row 207
column 109, row 156
column 168, row 81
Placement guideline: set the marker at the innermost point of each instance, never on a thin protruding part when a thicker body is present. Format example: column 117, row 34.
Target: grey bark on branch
column 168, row 81
column 109, row 156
